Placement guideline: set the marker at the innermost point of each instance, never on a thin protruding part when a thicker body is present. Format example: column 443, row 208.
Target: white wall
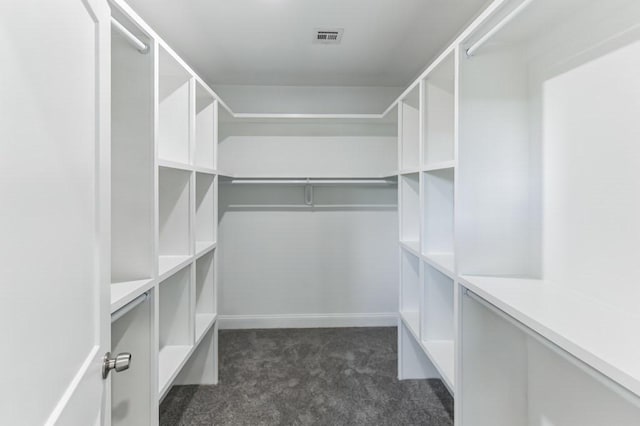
column 283, row 264
column 307, row 99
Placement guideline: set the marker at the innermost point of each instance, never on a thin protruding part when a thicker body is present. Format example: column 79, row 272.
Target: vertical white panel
column 592, row 178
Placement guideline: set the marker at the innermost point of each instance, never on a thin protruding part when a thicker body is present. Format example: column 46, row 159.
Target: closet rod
column 135, row 41
column 608, row 382
column 128, row 307
column 313, row 181
column 515, row 12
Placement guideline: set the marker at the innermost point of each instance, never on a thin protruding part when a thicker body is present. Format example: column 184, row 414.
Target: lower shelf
column 171, row 359
column 441, row 354
column 412, row 320
column 203, row 323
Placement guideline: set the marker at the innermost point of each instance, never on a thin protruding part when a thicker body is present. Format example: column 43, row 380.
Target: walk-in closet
column 285, row 212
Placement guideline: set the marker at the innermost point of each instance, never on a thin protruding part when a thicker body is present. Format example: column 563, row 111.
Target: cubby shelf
column 174, row 165
column 444, row 165
column 410, row 293
column 412, row 246
column 204, row 322
column 411, row 320
column 124, row 292
column 204, row 247
column 441, row 354
column 591, row 331
column 169, row 265
column 444, row 262
column 171, row 359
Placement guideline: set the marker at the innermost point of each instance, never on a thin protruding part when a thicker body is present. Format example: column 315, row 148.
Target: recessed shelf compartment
column 518, row 378
column 410, row 293
column 439, row 114
column 205, row 139
column 206, row 221
column 438, row 196
column 174, row 218
column 174, row 110
column 409, row 118
column 131, row 393
column 132, row 162
column 176, row 329
column 205, row 293
column 409, row 187
column 438, row 322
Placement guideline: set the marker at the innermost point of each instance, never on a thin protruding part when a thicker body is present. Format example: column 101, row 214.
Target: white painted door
column 54, row 153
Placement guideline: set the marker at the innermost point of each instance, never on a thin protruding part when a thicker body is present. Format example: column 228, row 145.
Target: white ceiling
column 269, row 42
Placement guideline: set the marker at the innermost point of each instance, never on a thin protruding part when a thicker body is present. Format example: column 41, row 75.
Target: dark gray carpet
column 337, row 376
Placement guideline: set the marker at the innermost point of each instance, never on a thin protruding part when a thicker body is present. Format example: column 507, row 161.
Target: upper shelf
column 597, row 334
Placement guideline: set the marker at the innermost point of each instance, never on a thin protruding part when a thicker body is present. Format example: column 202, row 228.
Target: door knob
column 121, row 362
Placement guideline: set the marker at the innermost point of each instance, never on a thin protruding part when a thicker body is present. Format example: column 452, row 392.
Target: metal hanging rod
column 135, row 41
column 297, row 181
column 128, row 307
column 515, row 12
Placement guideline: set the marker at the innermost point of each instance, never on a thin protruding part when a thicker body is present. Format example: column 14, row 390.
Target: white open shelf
column 174, row 219
column 409, row 132
column 516, row 377
column 410, row 290
column 586, row 328
column 124, row 292
column 206, row 222
column 176, row 334
column 438, row 322
column 409, row 187
column 438, row 219
column 439, row 115
column 308, row 148
column 174, row 110
column 205, row 141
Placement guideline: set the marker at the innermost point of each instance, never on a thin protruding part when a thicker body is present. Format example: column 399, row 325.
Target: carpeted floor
column 338, row 376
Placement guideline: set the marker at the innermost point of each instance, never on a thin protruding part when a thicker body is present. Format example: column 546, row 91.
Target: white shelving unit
column 526, row 306
column 427, row 182
column 164, row 222
column 545, row 298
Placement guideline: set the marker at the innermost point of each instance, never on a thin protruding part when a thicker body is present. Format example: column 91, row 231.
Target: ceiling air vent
column 327, row 36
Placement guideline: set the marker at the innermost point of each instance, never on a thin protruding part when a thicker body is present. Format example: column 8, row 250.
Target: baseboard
column 237, row 322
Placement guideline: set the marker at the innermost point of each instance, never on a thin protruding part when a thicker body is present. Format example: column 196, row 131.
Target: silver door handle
column 121, row 362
